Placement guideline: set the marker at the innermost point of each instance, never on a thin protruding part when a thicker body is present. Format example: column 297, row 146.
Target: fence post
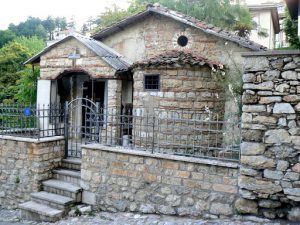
column 153, row 127
column 38, row 121
column 97, row 133
column 66, row 128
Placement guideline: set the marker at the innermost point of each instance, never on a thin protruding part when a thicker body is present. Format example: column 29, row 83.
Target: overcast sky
column 16, row 11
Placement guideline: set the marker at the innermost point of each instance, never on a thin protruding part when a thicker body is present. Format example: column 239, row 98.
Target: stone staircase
column 58, row 194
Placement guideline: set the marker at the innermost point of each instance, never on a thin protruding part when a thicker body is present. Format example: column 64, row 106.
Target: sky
column 16, row 11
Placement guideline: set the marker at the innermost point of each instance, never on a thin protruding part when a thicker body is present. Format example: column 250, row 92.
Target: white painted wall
column 43, row 92
column 43, row 101
column 264, row 20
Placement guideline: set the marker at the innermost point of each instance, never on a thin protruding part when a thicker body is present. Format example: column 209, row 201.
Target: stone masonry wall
column 269, row 181
column 191, row 89
column 56, row 62
column 157, row 34
column 185, row 93
column 24, row 163
column 114, row 180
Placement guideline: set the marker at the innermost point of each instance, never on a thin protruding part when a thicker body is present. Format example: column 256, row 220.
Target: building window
column 152, row 82
column 182, row 40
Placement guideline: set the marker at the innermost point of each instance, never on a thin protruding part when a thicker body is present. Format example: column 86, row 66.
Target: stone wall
column 190, row 89
column 24, row 163
column 157, row 34
column 115, row 179
column 269, row 183
column 56, row 62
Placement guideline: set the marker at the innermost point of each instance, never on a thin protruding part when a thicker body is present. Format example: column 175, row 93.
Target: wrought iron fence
column 31, row 121
column 195, row 134
column 186, row 133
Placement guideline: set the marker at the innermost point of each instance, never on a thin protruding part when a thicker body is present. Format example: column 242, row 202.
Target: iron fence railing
column 196, row 134
column 186, row 133
column 31, row 121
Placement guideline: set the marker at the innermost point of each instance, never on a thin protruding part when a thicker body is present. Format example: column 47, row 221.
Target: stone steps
column 68, row 175
column 63, row 188
column 71, row 163
column 58, row 196
column 52, row 200
column 39, row 212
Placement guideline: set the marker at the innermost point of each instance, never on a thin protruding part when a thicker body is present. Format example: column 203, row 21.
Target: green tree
column 33, row 44
column 6, row 36
column 31, row 27
column 220, row 13
column 61, row 23
column 115, row 14
column 26, row 86
column 290, row 28
column 12, row 55
column 50, row 25
column 18, row 82
column 84, row 29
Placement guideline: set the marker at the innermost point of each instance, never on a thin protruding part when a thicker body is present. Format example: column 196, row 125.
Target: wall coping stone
column 271, row 53
column 161, row 155
column 32, row 140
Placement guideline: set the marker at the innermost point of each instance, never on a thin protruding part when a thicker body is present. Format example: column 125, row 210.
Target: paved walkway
column 12, row 217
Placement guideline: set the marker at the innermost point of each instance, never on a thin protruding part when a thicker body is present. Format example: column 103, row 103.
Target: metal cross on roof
column 74, row 56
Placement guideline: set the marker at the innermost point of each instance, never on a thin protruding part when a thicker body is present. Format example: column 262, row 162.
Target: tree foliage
column 12, row 56
column 290, row 28
column 50, row 25
column 220, row 13
column 33, row 44
column 115, row 14
column 17, row 44
column 17, row 82
column 6, row 36
column 43, row 29
column 31, row 27
column 26, row 86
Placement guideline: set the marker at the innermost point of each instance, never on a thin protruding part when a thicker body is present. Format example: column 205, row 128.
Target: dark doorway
column 94, row 90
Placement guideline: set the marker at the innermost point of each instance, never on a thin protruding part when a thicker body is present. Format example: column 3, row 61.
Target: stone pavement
column 12, row 217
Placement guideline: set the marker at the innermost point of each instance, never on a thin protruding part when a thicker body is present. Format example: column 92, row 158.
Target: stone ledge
column 162, row 156
column 32, row 140
column 271, row 53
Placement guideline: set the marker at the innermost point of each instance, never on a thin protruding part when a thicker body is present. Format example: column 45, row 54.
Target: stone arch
column 73, row 71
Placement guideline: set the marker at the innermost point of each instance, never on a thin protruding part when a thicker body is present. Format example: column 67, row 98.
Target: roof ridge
column 192, row 21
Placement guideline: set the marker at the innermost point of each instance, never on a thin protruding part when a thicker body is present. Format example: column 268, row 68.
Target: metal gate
column 82, row 125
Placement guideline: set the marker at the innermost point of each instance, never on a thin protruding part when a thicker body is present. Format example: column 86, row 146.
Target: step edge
column 58, row 213
column 58, row 171
column 72, row 161
column 78, row 189
column 70, row 201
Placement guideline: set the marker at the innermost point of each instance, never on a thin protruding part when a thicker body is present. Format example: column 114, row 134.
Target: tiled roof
column 110, row 56
column 178, row 58
column 209, row 29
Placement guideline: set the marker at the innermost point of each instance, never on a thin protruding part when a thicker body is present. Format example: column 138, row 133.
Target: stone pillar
column 269, row 182
column 113, row 111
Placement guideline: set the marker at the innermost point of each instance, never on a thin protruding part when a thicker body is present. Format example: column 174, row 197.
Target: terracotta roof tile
column 178, row 58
